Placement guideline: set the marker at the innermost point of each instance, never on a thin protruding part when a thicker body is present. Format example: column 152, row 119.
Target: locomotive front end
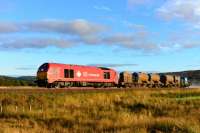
column 42, row 75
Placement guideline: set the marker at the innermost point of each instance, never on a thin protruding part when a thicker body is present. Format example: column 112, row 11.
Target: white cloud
column 7, row 27
column 181, row 41
column 136, row 41
column 74, row 32
column 137, row 2
column 133, row 25
column 76, row 27
column 103, row 8
column 186, row 10
column 21, row 43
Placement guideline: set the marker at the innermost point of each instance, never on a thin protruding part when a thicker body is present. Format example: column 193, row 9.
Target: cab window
column 68, row 73
column 106, row 75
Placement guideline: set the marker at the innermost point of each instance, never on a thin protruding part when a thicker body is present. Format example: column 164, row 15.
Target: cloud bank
column 76, row 27
column 72, row 33
column 8, row 27
column 64, row 34
column 186, row 10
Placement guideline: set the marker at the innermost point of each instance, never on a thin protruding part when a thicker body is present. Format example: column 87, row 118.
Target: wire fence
column 21, row 108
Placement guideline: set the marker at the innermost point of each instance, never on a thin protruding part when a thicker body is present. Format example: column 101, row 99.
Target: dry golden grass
column 138, row 111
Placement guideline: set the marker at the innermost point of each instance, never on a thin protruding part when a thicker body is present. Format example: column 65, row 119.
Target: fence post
column 16, row 108
column 41, row 107
column 30, row 108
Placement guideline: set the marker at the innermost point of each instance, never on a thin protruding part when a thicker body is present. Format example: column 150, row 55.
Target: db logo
column 78, row 74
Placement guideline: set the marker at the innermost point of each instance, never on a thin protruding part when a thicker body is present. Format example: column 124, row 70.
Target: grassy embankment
column 101, row 111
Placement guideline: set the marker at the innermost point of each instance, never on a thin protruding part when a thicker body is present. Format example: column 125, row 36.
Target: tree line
column 12, row 81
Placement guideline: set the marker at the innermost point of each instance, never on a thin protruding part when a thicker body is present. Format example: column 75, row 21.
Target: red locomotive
column 66, row 75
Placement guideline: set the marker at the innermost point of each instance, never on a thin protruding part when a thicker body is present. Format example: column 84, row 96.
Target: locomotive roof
column 103, row 68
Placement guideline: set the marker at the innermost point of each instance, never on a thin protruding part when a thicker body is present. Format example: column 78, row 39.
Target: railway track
column 74, row 89
column 54, row 90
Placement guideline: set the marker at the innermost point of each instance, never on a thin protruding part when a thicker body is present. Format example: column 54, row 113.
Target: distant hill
column 27, row 78
column 17, row 81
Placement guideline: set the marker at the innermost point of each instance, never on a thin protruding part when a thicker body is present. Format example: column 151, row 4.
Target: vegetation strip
column 140, row 111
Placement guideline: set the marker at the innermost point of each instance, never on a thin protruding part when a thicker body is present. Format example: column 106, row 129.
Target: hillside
column 27, row 78
column 17, row 81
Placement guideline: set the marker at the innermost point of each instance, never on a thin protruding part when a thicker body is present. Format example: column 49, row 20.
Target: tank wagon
column 167, row 80
column 177, row 80
column 141, row 79
column 67, row 75
column 154, row 80
column 125, row 79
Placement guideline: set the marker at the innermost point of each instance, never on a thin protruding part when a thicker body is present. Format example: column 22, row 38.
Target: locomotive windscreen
column 43, row 68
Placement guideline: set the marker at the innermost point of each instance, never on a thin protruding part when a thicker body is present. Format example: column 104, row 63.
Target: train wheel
column 71, row 84
column 49, row 86
column 126, row 86
column 58, row 85
column 150, row 86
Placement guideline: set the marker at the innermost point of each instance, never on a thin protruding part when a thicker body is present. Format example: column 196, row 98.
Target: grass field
column 121, row 111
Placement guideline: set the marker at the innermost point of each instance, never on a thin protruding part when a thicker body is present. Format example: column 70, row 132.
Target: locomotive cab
column 42, row 75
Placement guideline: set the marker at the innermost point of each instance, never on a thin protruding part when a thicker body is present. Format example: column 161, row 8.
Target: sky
column 131, row 35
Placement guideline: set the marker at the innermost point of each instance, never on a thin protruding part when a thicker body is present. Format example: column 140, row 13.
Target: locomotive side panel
column 61, row 73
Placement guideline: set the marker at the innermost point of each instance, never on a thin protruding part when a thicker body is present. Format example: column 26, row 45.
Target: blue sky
column 134, row 35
